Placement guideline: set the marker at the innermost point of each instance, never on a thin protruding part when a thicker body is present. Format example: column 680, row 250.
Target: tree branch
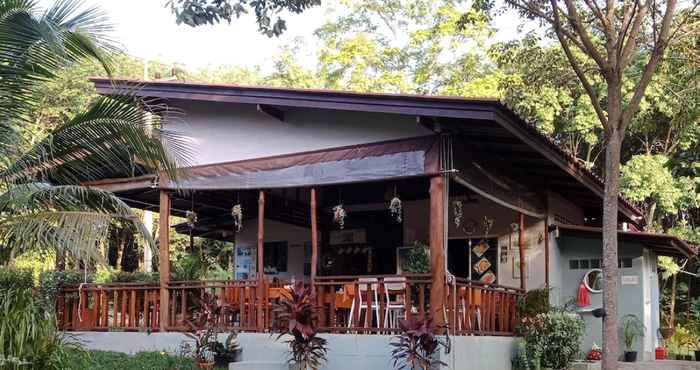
column 660, row 45
column 590, row 48
column 577, row 69
column 626, row 49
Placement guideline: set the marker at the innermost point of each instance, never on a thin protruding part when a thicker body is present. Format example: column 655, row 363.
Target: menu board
column 484, row 262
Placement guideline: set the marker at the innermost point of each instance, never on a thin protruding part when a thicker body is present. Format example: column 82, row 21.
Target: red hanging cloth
column 583, row 299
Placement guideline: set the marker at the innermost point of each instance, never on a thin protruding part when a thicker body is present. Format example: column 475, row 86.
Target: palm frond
column 115, row 135
column 34, row 47
column 75, row 219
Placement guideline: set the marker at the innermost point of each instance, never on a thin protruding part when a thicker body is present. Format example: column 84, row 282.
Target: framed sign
column 352, row 236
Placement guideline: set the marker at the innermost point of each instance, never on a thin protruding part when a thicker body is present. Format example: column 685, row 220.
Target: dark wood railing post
column 260, row 262
column 164, row 257
column 437, row 251
column 314, row 237
column 521, row 251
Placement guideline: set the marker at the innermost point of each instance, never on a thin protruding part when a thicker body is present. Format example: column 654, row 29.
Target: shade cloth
column 357, row 163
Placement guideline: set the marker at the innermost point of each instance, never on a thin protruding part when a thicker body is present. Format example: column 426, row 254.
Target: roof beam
column 271, row 111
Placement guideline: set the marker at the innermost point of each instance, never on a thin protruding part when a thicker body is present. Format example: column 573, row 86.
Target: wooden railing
column 370, row 304
column 346, row 304
column 240, row 295
column 96, row 307
column 478, row 309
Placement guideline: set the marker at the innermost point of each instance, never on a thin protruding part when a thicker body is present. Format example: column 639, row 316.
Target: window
column 573, row 264
column 275, row 257
column 595, row 264
column 583, row 264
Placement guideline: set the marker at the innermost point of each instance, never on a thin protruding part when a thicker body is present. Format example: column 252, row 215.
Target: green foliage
column 105, row 275
column 533, row 303
column 102, row 360
column 50, row 283
column 12, row 278
column 200, row 12
column 648, row 179
column 552, row 338
column 28, row 334
column 632, row 329
column 416, row 260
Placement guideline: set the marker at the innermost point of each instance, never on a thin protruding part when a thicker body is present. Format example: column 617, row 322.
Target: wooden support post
column 164, row 257
column 437, row 251
column 260, row 262
column 521, row 250
column 314, row 238
column 546, row 252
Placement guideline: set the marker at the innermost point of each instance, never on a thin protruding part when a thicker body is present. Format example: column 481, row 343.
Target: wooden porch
column 346, row 304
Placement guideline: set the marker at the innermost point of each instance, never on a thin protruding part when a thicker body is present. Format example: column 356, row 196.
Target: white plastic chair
column 395, row 309
column 364, row 285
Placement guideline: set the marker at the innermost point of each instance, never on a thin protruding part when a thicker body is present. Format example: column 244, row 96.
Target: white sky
column 147, row 29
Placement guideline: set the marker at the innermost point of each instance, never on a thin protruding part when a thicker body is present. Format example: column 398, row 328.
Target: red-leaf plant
column 417, row 345
column 206, row 325
column 295, row 316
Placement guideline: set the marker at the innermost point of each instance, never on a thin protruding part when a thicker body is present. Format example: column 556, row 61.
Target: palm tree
column 42, row 203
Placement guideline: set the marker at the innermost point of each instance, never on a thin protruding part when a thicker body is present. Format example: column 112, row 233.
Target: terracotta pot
column 667, row 332
column 205, row 365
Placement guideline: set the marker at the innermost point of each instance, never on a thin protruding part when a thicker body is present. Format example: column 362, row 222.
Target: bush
column 28, row 335
column 553, row 339
column 51, row 281
column 109, row 275
column 101, row 360
column 533, row 303
column 11, row 278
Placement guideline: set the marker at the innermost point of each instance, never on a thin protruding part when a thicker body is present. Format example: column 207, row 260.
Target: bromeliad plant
column 295, row 316
column 417, row 346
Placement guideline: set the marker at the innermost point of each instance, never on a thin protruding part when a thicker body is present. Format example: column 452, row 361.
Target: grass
column 100, row 360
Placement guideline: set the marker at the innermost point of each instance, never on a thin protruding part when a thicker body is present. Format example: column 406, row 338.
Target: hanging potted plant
column 632, row 329
column 396, row 209
column 339, row 215
column 237, row 214
column 294, row 318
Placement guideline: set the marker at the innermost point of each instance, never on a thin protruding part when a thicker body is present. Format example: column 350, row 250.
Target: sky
column 146, row 29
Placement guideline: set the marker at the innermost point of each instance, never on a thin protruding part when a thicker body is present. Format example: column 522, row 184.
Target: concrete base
column 345, row 351
column 585, row 366
column 258, row 365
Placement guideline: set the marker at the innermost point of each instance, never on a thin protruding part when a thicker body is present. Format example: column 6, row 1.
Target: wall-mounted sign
column 353, row 236
column 630, row 280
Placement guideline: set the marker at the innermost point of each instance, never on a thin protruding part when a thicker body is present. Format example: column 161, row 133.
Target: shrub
column 553, row 339
column 106, row 275
column 102, row 360
column 295, row 316
column 51, row 281
column 417, row 345
column 533, row 303
column 28, row 335
column 16, row 278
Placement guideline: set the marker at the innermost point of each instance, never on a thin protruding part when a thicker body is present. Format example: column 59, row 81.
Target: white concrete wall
column 345, row 351
column 279, row 232
column 230, row 132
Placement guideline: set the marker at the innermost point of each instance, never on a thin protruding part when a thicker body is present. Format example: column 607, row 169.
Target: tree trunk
column 610, row 260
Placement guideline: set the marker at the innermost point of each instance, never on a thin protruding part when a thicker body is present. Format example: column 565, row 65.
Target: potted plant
column 417, row 346
column 205, row 328
column 632, row 328
column 227, row 352
column 295, row 317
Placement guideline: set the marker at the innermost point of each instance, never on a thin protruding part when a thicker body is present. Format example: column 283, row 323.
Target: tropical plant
column 416, row 260
column 295, row 316
column 417, row 346
column 632, row 328
column 206, row 325
column 552, row 339
column 43, row 205
column 28, row 335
